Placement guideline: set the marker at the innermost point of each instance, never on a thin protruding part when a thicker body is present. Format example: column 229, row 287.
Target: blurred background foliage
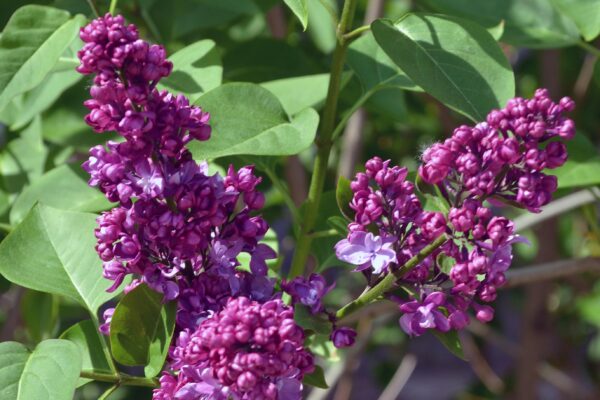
column 545, row 341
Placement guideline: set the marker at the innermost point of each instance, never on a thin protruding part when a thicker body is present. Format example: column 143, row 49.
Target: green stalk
column 388, row 282
column 113, row 6
column 120, row 379
column 108, row 392
column 590, row 49
column 324, row 143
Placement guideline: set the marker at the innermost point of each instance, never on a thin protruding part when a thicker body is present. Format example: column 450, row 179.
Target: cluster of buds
column 499, row 161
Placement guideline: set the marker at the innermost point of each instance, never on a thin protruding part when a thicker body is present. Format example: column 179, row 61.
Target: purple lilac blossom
column 501, row 159
column 366, row 251
column 173, row 221
column 246, row 351
column 308, row 291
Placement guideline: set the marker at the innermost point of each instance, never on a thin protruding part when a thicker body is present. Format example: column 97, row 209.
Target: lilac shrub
column 180, row 230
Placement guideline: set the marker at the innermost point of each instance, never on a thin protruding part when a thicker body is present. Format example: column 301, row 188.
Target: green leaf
column 53, row 251
column 267, row 59
column 310, row 322
column 585, row 14
column 322, row 17
column 50, row 372
column 23, row 159
column 297, row 94
column 39, row 312
column 256, row 125
column 64, row 187
column 529, row 23
column 374, row 68
column 339, row 224
column 316, row 378
column 86, row 336
column 343, row 197
column 451, row 341
column 456, row 61
column 300, row 9
column 23, row 108
column 196, row 70
column 141, row 329
column 582, row 166
column 31, row 43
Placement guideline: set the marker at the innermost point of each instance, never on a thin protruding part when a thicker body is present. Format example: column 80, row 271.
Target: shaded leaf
column 528, row 23
column 53, row 251
column 141, row 329
column 456, row 61
column 585, row 14
column 316, row 378
column 31, row 43
column 39, row 312
column 322, row 17
column 373, row 66
column 300, row 9
column 582, row 166
column 343, row 197
column 64, row 187
column 310, row 322
column 451, row 341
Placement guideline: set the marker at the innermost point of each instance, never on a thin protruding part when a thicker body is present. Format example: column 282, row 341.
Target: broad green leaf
column 308, row 321
column 296, row 94
column 256, row 125
column 65, row 127
column 31, row 43
column 373, row 66
column 196, row 70
column 456, row 61
column 316, row 378
column 322, row 16
column 141, row 329
column 24, row 107
column 582, row 166
column 300, row 9
column 451, row 341
column 86, row 336
column 39, row 312
column 343, row 197
column 49, row 372
column 175, row 19
column 585, row 14
column 24, row 158
column 528, row 23
column 53, row 251
column 267, row 59
column 64, row 187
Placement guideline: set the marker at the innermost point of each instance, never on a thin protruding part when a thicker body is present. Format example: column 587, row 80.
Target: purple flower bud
column 343, row 337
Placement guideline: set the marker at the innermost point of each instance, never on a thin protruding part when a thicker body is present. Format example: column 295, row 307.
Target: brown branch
column 403, row 373
column 551, row 270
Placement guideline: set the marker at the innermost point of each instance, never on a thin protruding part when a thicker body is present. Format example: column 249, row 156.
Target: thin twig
column 92, row 5
column 550, row 270
column 479, row 364
column 403, row 373
column 557, row 207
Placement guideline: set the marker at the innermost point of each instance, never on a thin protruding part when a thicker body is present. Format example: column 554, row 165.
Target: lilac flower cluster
column 504, row 156
column 501, row 159
column 246, row 351
column 174, row 220
column 180, row 230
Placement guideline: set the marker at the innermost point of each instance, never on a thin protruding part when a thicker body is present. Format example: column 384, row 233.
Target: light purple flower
column 366, row 250
column 420, row 316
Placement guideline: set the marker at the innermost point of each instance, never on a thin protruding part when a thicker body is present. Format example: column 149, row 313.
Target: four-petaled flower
column 367, row 250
